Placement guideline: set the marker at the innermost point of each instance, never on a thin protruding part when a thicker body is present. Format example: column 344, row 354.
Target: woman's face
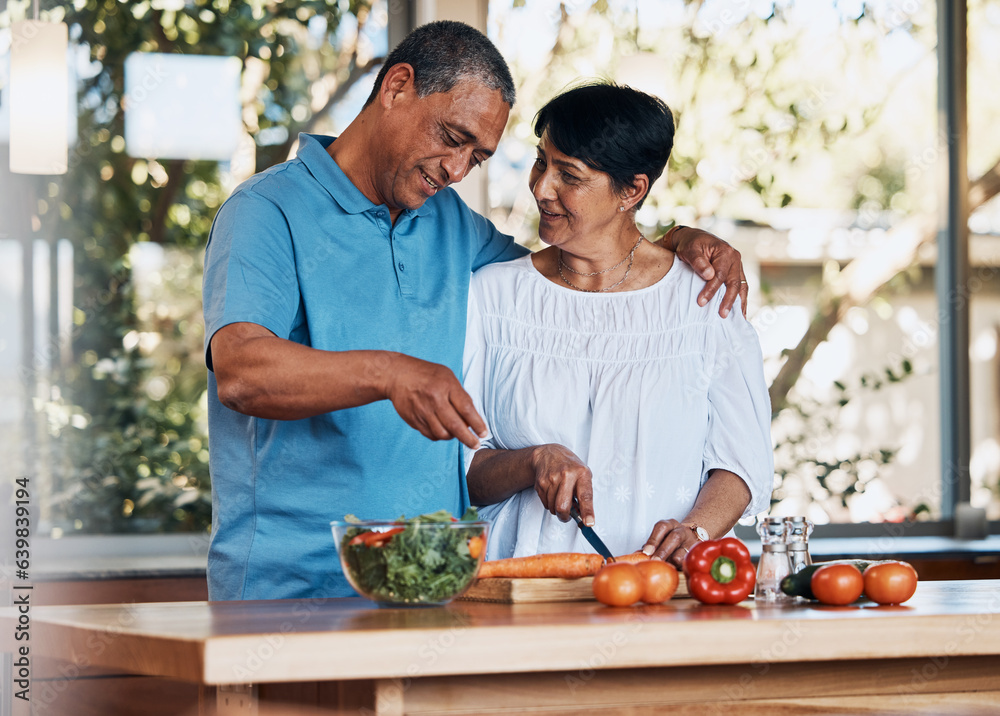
column 574, row 201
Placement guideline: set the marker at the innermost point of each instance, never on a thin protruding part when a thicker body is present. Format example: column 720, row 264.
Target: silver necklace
column 630, row 258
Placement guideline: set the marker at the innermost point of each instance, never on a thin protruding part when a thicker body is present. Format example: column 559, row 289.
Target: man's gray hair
column 444, row 52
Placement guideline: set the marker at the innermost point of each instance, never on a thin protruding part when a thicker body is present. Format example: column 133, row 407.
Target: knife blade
column 589, row 534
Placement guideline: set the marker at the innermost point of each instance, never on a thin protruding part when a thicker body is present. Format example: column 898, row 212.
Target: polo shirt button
column 401, row 267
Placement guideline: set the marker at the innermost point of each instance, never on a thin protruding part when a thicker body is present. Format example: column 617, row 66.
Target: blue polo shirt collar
column 312, row 152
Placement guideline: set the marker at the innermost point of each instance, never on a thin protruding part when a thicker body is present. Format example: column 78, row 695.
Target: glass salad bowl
column 427, row 560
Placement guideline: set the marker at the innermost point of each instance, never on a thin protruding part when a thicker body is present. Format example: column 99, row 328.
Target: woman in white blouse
column 600, row 377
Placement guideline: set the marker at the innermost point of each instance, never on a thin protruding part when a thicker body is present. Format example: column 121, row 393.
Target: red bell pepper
column 374, row 539
column 720, row 571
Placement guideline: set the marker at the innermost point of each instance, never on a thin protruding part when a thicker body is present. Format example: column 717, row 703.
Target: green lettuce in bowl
column 425, row 560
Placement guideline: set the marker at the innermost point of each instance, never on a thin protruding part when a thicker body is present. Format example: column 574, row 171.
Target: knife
column 589, row 534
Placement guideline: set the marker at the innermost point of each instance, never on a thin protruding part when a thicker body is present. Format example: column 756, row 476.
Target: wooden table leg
column 389, row 697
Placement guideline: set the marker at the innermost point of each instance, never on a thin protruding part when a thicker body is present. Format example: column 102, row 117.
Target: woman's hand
column 559, row 477
column 715, row 261
column 670, row 541
column 717, row 508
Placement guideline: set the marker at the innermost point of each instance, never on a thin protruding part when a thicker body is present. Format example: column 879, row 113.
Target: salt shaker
column 797, row 531
column 774, row 564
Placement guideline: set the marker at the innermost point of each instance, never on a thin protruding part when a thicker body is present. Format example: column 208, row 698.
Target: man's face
column 434, row 141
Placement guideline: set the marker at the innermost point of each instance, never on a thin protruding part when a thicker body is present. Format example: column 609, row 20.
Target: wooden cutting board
column 510, row 590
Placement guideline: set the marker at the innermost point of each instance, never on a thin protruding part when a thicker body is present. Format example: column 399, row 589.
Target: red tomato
column 618, row 584
column 890, row 582
column 838, row 584
column 659, row 580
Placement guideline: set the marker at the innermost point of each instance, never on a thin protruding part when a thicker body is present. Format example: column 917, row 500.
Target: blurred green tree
column 128, row 415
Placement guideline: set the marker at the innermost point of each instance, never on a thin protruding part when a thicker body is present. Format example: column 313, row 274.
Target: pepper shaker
column 774, row 564
column 797, row 531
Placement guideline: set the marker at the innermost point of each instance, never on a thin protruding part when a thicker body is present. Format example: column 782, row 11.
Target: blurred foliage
column 819, row 468
column 784, row 103
column 129, row 412
column 984, row 58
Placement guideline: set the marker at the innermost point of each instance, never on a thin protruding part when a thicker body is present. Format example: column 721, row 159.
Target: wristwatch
column 700, row 532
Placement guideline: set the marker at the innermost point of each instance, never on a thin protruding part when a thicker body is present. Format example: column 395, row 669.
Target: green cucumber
column 800, row 583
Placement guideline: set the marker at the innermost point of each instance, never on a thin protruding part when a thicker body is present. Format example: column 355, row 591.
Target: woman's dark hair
column 444, row 52
column 611, row 128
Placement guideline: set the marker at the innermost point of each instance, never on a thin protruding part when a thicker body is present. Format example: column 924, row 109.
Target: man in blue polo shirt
column 335, row 296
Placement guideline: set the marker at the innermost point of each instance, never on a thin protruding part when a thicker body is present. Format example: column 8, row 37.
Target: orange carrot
column 633, row 558
column 560, row 564
column 475, row 546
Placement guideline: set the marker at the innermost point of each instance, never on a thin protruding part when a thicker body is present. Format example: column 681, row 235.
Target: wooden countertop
column 315, row 640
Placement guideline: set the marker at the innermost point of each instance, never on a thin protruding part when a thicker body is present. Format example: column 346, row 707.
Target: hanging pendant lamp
column 39, row 97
